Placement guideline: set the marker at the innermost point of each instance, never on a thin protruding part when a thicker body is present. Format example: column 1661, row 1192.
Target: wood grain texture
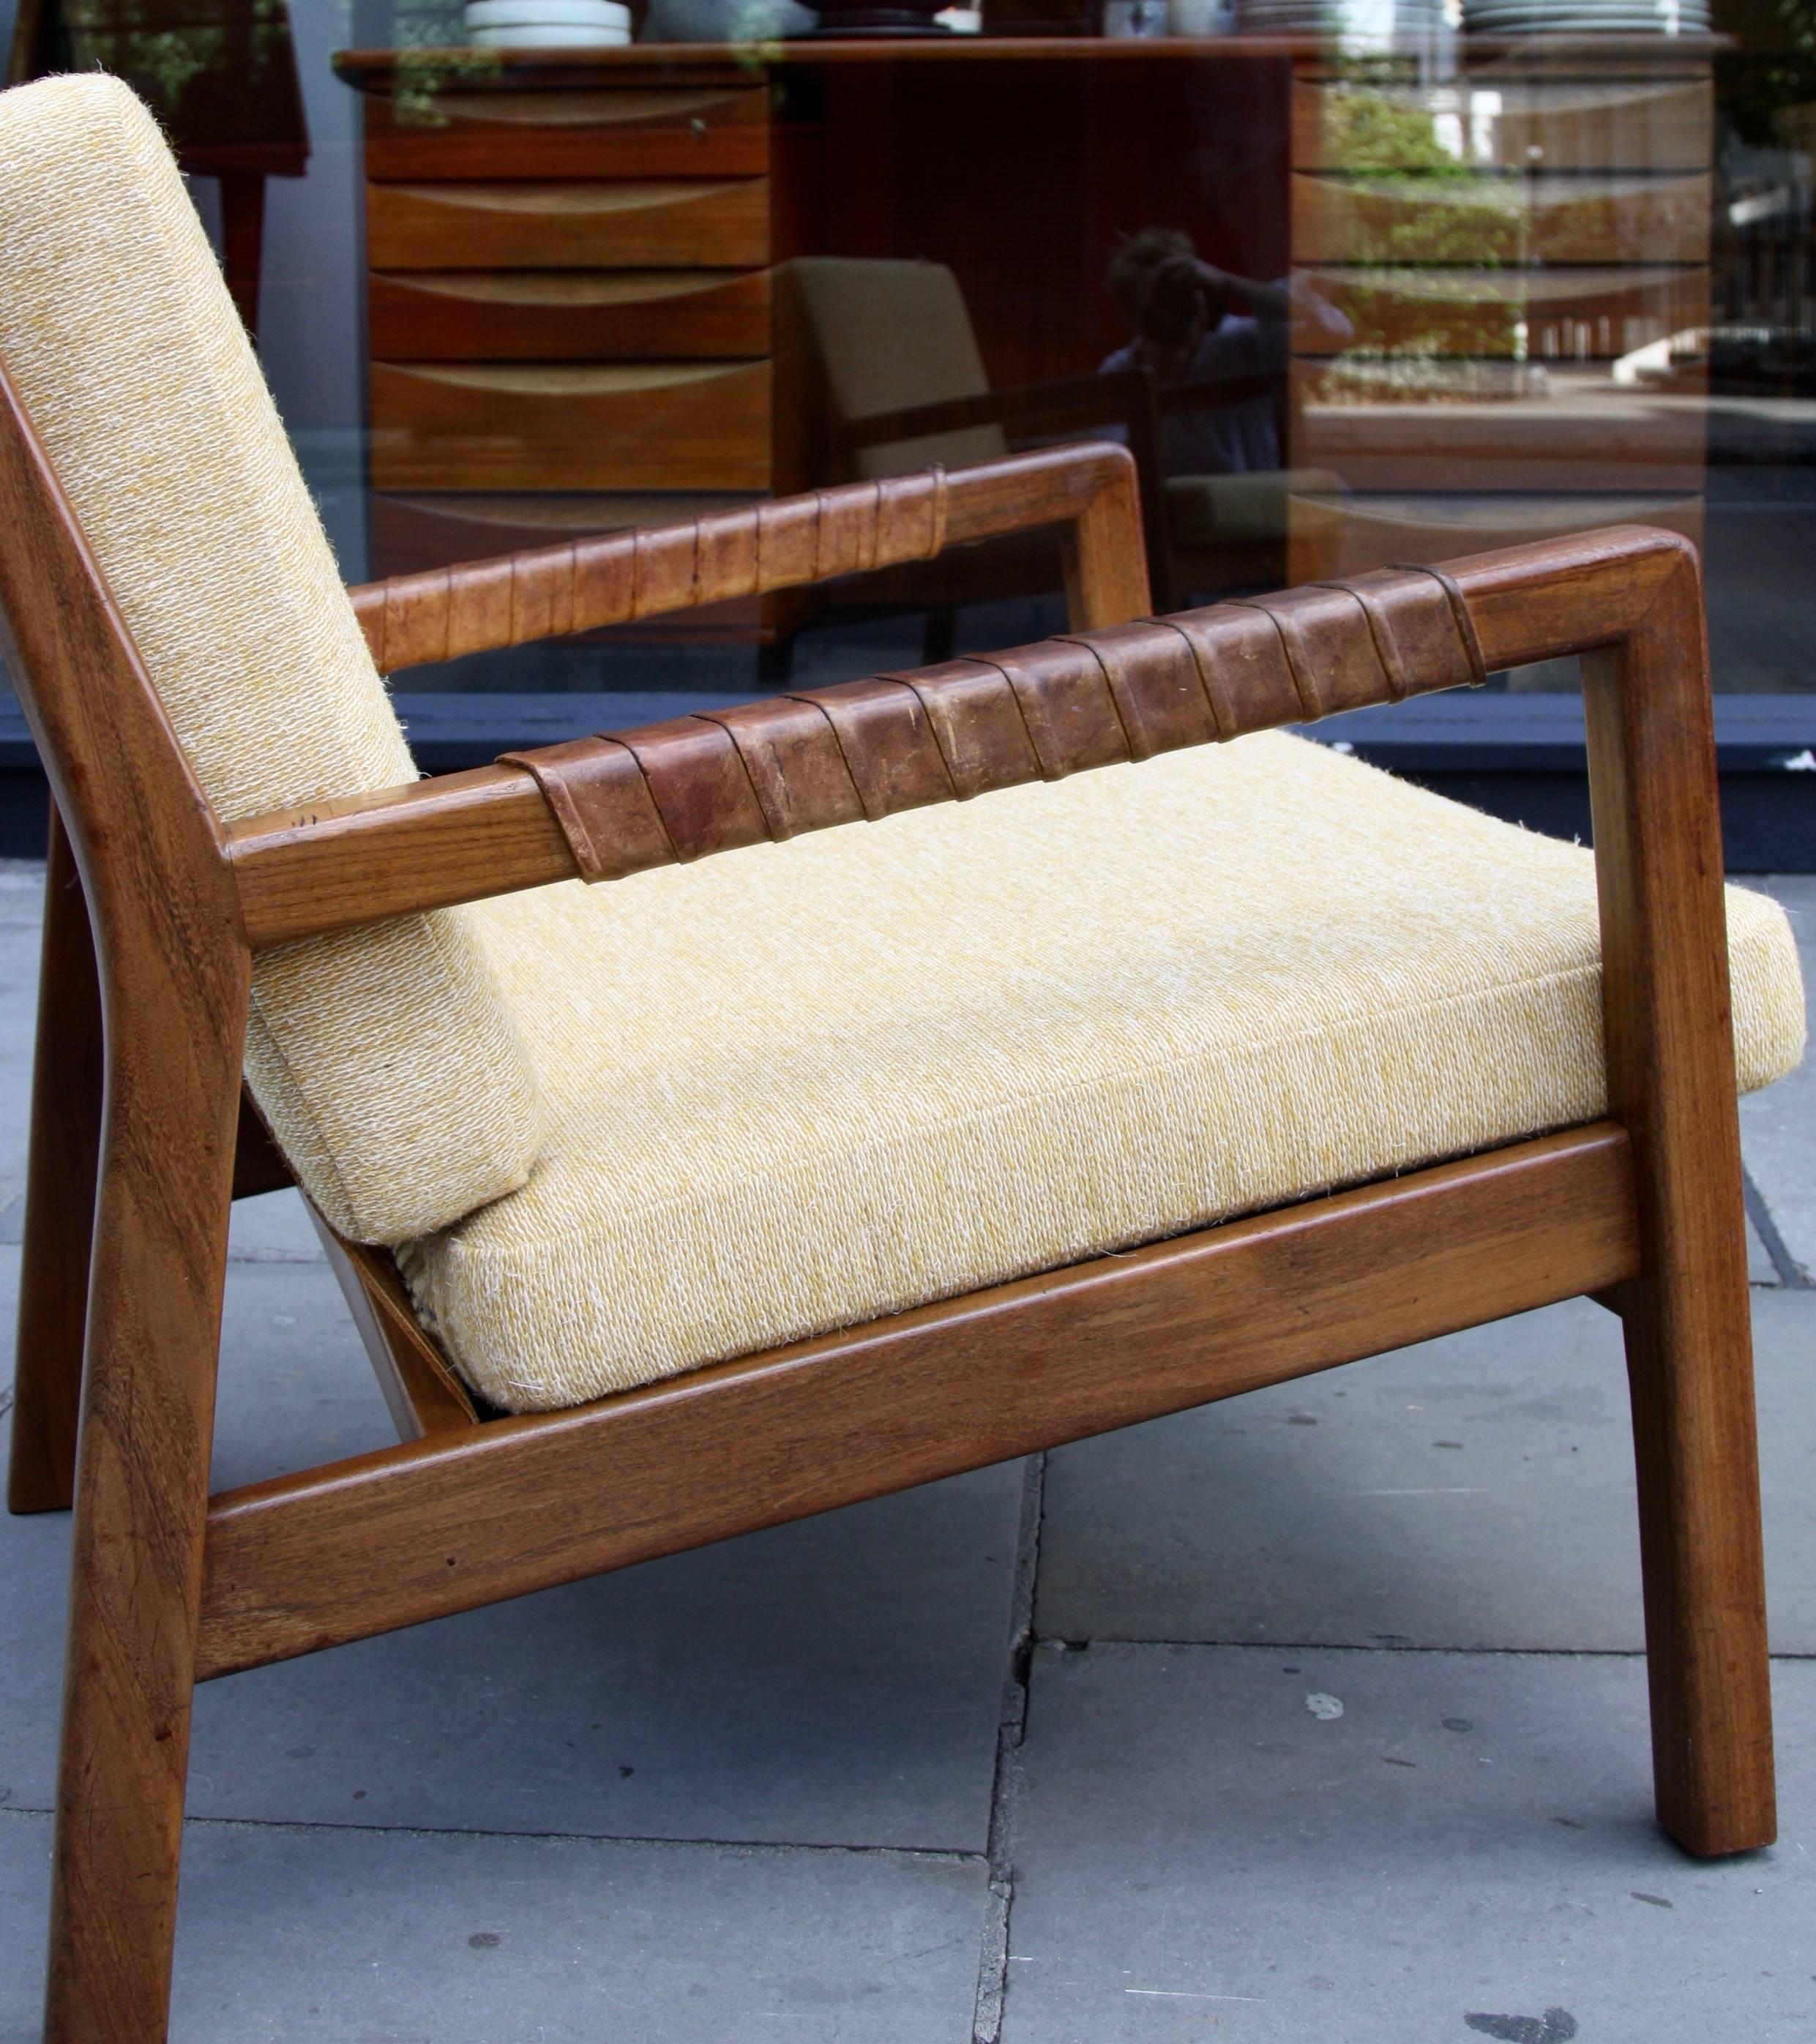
column 642, row 131
column 422, row 1394
column 65, row 1147
column 1671, row 1083
column 173, row 975
column 1332, row 535
column 567, row 315
column 336, row 866
column 1643, row 1211
column 1581, row 436
column 1589, row 313
column 318, row 867
column 1521, row 58
column 406, row 1534
column 1539, row 219
column 671, row 425
column 1124, row 402
column 685, row 224
column 618, row 577
column 1559, row 124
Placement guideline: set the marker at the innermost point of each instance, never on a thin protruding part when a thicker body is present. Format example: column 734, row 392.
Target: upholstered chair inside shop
column 722, row 1121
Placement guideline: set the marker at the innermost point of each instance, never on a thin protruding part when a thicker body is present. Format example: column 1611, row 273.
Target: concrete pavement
column 1314, row 1714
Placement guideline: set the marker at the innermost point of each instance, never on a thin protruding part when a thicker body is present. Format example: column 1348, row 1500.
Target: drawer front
column 1582, row 126
column 635, row 426
column 1346, row 536
column 683, row 225
column 1581, row 433
column 1589, row 314
column 706, row 132
column 567, row 315
column 1510, row 219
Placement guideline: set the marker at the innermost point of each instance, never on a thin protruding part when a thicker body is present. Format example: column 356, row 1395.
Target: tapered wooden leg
column 1670, row 1074
column 167, row 1163
column 59, row 1196
column 1700, row 1540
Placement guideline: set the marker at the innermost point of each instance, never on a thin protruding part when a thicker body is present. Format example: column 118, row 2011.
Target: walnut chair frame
column 155, row 908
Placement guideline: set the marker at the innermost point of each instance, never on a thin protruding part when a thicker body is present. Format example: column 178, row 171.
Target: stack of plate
column 533, row 25
column 1368, row 20
column 1586, row 17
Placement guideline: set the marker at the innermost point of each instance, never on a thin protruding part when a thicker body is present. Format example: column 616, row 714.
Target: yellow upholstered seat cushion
column 799, row 1086
column 384, row 1059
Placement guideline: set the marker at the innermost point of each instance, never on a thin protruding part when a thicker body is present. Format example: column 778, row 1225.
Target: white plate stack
column 1364, row 20
column 1586, row 17
column 541, row 25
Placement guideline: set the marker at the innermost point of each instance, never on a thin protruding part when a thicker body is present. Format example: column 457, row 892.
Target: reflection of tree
column 1411, row 379
column 424, row 74
column 139, row 41
column 1366, row 129
column 1404, row 197
column 1774, row 66
column 1479, row 221
column 162, row 64
column 1409, row 312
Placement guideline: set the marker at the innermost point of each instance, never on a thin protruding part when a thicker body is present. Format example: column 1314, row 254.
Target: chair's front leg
column 173, row 1051
column 1670, row 1081
column 59, row 1195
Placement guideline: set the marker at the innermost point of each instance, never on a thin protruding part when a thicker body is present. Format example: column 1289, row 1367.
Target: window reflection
column 1356, row 281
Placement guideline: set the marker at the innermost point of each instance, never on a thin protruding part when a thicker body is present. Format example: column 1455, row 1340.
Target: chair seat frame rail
column 154, row 909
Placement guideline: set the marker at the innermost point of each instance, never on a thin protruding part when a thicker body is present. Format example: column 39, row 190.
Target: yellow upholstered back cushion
column 386, row 1061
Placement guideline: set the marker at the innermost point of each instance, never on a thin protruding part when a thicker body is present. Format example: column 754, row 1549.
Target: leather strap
column 1460, row 613
column 819, row 757
column 546, row 592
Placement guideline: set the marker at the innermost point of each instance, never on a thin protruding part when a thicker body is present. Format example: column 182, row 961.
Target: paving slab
column 1476, row 1490
column 295, row 1389
column 1200, row 1855
column 1760, row 1268
column 1778, row 1126
column 353, row 1936
column 273, row 1228
column 836, row 1682
column 839, row 1679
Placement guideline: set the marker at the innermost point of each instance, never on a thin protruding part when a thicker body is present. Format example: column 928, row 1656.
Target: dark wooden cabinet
column 570, row 260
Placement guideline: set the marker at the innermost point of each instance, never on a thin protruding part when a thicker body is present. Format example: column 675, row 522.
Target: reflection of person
column 1194, row 324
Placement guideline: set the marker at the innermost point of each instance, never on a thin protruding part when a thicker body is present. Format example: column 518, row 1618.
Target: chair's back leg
column 172, row 1107
column 59, row 1195
column 1670, row 1081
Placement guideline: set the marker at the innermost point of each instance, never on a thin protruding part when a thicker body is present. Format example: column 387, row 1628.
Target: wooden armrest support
column 614, row 805
column 550, row 592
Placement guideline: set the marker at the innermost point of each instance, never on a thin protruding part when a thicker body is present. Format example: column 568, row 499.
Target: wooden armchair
column 1331, row 1065
column 879, row 373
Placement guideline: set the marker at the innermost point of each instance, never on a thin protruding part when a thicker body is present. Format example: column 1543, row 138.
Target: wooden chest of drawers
column 568, row 289
column 1498, row 243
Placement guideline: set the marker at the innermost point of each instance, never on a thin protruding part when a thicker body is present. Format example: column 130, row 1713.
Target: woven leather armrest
column 783, row 542
column 616, row 803
column 807, row 761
